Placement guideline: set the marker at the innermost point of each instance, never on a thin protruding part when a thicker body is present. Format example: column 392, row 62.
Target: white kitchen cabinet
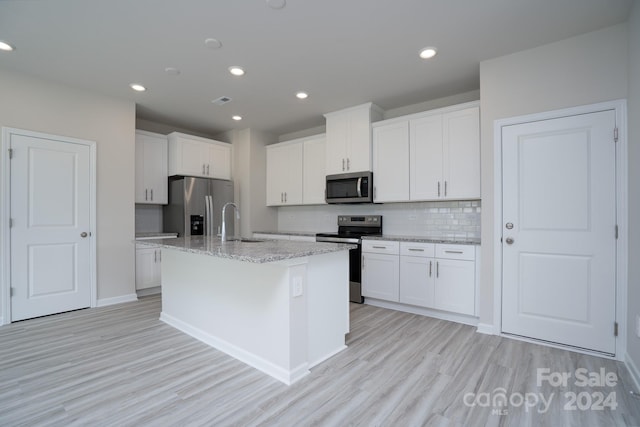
column 313, row 170
column 348, row 146
column 284, row 174
column 417, row 274
column 445, row 155
column 148, row 267
column 455, row 283
column 381, row 270
column 151, row 168
column 391, row 162
column 194, row 156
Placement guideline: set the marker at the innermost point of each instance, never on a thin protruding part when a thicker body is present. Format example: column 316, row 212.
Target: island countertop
column 248, row 251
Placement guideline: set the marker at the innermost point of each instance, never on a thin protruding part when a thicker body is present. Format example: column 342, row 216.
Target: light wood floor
column 121, row 366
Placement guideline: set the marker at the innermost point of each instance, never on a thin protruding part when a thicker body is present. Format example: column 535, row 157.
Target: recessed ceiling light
column 236, row 71
column 213, row 43
column 172, row 71
column 236, row 118
column 302, row 95
column 276, row 4
column 137, row 87
column 6, row 46
column 428, row 52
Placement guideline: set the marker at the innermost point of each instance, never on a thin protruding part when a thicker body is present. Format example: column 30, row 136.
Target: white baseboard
column 487, row 328
column 149, row 291
column 633, row 370
column 444, row 315
column 287, row 376
column 103, row 302
column 1, row 320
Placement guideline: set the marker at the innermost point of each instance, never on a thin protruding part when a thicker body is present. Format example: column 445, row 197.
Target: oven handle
column 359, row 185
column 337, row 240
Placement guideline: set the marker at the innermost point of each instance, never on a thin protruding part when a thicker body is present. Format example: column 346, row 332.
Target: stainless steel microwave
column 356, row 187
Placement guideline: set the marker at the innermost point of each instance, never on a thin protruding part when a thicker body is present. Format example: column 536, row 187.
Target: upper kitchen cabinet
column 284, row 174
column 391, row 162
column 151, row 168
column 445, row 155
column 313, row 170
column 194, row 156
column 348, row 146
column 296, row 172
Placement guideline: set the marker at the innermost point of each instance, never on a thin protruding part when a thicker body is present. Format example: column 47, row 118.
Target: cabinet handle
column 281, row 197
column 342, row 165
column 363, row 262
column 437, row 269
column 145, row 194
column 445, row 189
column 348, row 166
column 208, row 174
column 438, row 188
column 379, row 247
column 155, row 256
column 453, row 252
column 152, row 194
column 160, row 255
column 416, row 250
column 203, row 169
column 285, row 197
column 430, row 268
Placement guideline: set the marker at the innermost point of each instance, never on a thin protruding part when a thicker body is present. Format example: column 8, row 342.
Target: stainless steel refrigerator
column 195, row 206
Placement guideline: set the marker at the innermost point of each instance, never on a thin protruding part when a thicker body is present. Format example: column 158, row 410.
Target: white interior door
column 51, row 254
column 559, row 218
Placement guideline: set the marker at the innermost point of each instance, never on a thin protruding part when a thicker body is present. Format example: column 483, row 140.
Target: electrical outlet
column 638, row 325
column 297, row 287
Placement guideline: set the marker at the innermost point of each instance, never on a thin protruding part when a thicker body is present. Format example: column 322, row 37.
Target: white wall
column 581, row 70
column 633, row 309
column 249, row 179
column 36, row 105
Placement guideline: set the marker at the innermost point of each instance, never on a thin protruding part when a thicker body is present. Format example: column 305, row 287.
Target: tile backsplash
column 148, row 218
column 456, row 219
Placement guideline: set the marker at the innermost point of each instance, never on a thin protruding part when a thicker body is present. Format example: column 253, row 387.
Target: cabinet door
column 417, row 280
column 284, row 175
column 455, row 286
column 219, row 163
column 193, row 158
column 147, row 267
column 359, row 140
column 336, row 145
column 461, row 157
column 313, row 171
column 426, row 158
column 151, row 168
column 391, row 162
column 380, row 276
column 155, row 170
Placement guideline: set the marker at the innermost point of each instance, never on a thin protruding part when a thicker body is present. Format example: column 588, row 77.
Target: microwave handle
column 359, row 187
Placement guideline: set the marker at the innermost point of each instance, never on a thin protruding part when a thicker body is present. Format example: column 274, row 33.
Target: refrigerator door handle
column 207, row 216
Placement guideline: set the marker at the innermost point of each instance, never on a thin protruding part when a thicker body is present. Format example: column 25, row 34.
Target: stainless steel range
column 351, row 228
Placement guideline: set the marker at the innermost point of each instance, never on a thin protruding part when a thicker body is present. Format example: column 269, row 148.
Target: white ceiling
column 343, row 52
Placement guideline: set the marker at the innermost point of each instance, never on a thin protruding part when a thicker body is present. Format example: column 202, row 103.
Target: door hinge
column 11, row 153
column 11, row 291
column 616, row 231
column 10, row 222
column 615, row 135
column 615, row 329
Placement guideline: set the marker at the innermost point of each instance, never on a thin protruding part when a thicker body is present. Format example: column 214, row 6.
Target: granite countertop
column 154, row 235
column 418, row 239
column 289, row 233
column 248, row 251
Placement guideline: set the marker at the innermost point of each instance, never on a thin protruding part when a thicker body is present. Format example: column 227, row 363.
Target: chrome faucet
column 223, row 235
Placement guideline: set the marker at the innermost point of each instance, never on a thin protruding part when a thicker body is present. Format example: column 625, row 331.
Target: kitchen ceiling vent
column 222, row 100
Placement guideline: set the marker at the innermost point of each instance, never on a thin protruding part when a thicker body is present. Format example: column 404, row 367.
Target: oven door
column 355, row 275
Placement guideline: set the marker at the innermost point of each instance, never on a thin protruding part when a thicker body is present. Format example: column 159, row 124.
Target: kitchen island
column 279, row 306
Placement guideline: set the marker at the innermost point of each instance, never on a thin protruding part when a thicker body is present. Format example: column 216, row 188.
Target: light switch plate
column 297, row 287
column 638, row 325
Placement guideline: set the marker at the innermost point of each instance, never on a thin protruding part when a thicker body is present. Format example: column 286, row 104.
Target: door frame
column 620, row 108
column 5, row 215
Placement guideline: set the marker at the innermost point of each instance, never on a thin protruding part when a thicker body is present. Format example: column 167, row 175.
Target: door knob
column 509, row 226
column 509, row 240
column 83, row 234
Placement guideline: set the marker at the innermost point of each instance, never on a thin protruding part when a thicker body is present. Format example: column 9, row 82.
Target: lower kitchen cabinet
column 433, row 276
column 148, row 267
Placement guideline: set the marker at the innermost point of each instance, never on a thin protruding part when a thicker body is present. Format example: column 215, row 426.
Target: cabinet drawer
column 381, row 247
column 417, row 249
column 466, row 252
